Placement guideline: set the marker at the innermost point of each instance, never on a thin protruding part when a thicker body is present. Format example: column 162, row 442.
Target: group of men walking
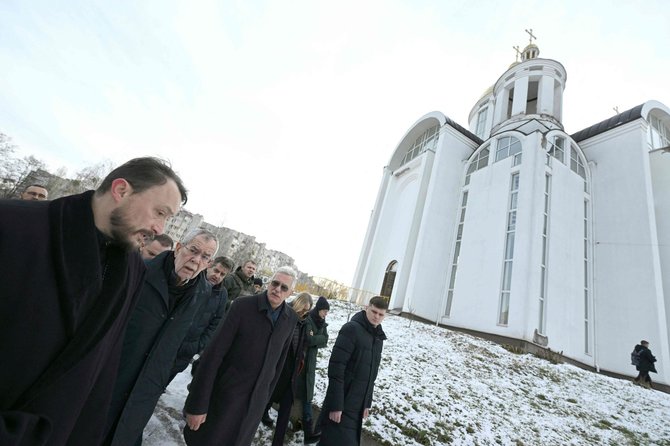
column 90, row 334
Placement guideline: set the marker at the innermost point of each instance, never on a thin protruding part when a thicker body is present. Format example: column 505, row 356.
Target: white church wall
column 477, row 286
column 660, row 175
column 626, row 287
column 392, row 233
column 565, row 312
column 427, row 281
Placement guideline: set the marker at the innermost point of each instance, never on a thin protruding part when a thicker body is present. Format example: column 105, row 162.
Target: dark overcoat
column 202, row 330
column 237, row 372
column 314, row 341
column 352, row 371
column 150, row 346
column 647, row 360
column 61, row 321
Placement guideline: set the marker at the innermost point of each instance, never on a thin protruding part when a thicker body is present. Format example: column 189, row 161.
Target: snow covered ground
column 439, row 387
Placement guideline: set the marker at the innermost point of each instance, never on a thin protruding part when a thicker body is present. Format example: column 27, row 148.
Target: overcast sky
column 280, row 115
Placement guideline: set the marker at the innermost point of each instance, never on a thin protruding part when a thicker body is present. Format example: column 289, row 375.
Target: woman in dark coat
column 286, row 386
column 646, row 364
column 316, row 332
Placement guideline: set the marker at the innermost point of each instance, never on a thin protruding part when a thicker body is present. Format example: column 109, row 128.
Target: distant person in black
column 646, row 364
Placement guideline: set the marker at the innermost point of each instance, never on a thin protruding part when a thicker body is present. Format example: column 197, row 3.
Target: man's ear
column 120, row 189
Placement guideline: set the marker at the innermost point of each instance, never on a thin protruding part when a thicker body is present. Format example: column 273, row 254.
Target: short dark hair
column 164, row 240
column 34, row 185
column 379, row 302
column 142, row 174
column 225, row 261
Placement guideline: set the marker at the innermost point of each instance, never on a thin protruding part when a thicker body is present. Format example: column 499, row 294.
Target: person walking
column 352, row 371
column 646, row 364
column 316, row 333
column 240, row 367
column 285, row 389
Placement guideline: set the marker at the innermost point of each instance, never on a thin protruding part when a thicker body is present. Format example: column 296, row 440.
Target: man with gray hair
column 241, row 365
column 176, row 286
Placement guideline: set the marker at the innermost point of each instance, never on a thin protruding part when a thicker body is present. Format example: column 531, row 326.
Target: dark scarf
column 177, row 294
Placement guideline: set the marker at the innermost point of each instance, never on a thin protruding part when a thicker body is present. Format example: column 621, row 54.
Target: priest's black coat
column 61, row 322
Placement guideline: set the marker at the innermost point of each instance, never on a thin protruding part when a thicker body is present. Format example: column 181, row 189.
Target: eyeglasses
column 278, row 284
column 195, row 252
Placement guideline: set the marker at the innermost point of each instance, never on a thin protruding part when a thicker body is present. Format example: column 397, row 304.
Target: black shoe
column 310, row 435
column 266, row 420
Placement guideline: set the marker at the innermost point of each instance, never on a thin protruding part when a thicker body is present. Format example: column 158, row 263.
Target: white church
column 518, row 229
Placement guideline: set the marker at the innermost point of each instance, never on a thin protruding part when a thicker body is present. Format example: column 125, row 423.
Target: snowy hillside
column 437, row 387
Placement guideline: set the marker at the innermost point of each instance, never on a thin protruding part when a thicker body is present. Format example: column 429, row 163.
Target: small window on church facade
column 427, row 140
column 506, row 285
column 479, row 162
column 576, row 164
column 481, row 122
column 659, row 134
column 557, row 148
column 508, row 146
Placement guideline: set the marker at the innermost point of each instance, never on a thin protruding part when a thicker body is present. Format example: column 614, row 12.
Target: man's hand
column 366, row 412
column 335, row 416
column 194, row 421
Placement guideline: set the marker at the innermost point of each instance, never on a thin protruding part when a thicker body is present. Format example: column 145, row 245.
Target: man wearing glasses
column 240, row 367
column 175, row 288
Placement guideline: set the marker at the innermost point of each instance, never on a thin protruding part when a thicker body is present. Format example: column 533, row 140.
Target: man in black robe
column 71, row 275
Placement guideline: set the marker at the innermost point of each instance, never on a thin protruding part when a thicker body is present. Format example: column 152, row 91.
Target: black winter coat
column 647, row 360
column 313, row 342
column 204, row 325
column 352, row 371
column 237, row 371
column 149, row 349
column 61, row 324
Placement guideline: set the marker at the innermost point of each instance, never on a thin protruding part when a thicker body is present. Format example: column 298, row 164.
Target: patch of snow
column 440, row 387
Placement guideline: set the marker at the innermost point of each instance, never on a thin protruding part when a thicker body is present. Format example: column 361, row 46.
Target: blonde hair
column 302, row 303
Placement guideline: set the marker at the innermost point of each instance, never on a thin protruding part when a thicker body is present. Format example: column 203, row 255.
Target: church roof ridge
column 608, row 124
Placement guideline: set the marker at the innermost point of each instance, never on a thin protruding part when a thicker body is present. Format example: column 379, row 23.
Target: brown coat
column 238, row 371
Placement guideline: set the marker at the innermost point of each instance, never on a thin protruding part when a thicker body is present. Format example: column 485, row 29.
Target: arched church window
column 427, row 140
column 659, row 133
column 509, row 146
column 576, row 163
column 557, row 148
column 389, row 279
column 481, row 160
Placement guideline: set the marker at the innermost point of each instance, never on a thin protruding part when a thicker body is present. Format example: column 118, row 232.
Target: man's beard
column 122, row 232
